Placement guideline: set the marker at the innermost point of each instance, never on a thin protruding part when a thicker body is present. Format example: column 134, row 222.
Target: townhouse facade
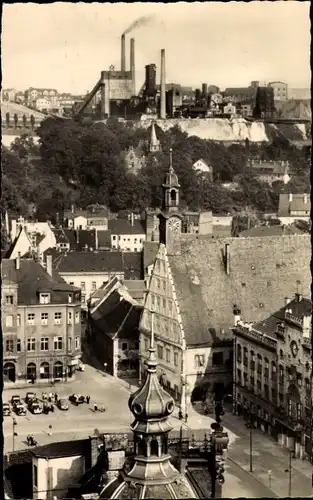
column 127, row 236
column 40, row 322
column 273, row 374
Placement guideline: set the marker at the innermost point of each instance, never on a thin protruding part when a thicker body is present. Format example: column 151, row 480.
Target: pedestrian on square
column 95, row 407
column 56, row 397
column 50, row 430
column 87, row 400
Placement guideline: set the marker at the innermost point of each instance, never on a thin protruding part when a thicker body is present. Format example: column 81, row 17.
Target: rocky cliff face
column 232, row 130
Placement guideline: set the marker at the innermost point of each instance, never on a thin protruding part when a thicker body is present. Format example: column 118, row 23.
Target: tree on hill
column 7, row 119
column 15, row 120
column 32, row 122
column 24, row 120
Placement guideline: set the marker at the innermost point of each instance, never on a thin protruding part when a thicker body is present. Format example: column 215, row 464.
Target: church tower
column 170, row 217
column 151, row 473
column 155, row 144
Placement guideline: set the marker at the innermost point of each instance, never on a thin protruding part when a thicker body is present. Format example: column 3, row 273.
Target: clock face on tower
column 174, row 224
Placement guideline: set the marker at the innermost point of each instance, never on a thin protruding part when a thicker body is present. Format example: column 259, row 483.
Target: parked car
column 62, row 404
column 81, row 367
column 77, row 398
column 6, row 410
column 20, row 409
column 15, row 400
column 35, row 406
column 30, row 396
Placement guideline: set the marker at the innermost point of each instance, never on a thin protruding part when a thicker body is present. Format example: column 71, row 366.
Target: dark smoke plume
column 141, row 21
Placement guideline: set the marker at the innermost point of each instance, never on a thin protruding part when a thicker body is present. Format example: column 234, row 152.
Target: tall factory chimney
column 123, row 54
column 204, row 91
column 132, row 65
column 163, row 95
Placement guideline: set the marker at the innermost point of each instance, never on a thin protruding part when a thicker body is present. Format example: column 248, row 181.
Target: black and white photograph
column 156, row 307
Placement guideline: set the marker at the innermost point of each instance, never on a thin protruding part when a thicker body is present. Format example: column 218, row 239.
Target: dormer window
column 44, row 298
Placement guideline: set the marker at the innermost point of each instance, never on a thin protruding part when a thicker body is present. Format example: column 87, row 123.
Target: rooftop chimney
column 290, row 197
column 18, row 261
column 132, row 65
column 49, row 265
column 123, row 53
column 305, row 198
column 96, row 239
column 237, row 314
column 163, row 97
column 77, row 235
column 132, row 219
column 298, row 297
column 287, row 300
column 73, row 208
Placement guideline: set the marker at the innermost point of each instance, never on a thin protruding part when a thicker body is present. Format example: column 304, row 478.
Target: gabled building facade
column 40, row 323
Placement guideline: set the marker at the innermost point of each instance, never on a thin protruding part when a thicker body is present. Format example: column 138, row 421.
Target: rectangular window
column 9, row 320
column 18, row 320
column 83, row 285
column 124, row 346
column 217, row 358
column 113, row 237
column 70, row 298
column 199, row 360
column 9, row 346
column 69, row 317
column 77, row 342
column 31, row 319
column 77, row 317
column 175, row 358
column 164, row 303
column 69, row 344
column 94, row 285
column 168, row 355
column 35, row 476
column 9, row 299
column 238, row 376
column 18, row 345
column 31, row 344
column 158, row 282
column 44, row 318
column 71, row 282
column 83, row 299
column 57, row 318
column 44, row 298
column 44, row 344
column 58, row 343
column 160, row 351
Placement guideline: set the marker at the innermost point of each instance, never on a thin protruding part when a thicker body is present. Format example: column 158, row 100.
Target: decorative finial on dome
column 171, row 161
column 152, row 362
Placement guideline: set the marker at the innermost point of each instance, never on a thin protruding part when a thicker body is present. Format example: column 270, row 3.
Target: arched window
column 9, row 372
column 31, row 371
column 173, row 195
column 154, row 446
column 58, row 370
column 44, row 370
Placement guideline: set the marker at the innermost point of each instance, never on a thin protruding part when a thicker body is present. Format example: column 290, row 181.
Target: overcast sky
column 65, row 46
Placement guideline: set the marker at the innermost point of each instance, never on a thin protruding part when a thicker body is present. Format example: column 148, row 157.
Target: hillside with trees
column 82, row 163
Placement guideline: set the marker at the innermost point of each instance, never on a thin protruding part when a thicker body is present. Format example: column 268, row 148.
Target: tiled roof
column 123, row 226
column 150, row 250
column 270, row 231
column 116, row 317
column 297, row 204
column 261, row 272
column 104, row 239
column 299, row 310
column 84, row 262
column 32, row 278
column 60, row 235
column 81, row 238
column 133, row 265
column 136, row 288
column 18, row 464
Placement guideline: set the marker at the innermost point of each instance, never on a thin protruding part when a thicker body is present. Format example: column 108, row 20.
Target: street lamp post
column 220, row 441
column 250, row 425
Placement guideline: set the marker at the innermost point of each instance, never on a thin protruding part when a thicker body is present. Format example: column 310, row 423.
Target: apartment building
column 280, row 90
column 272, row 374
column 40, row 323
column 128, row 236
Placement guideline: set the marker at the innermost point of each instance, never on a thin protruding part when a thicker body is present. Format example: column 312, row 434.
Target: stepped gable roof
column 261, row 272
column 87, row 262
column 32, row 278
column 299, row 310
column 124, row 226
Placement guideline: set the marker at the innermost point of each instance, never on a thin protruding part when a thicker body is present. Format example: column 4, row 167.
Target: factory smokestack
column 123, row 53
column 163, row 96
column 132, row 65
